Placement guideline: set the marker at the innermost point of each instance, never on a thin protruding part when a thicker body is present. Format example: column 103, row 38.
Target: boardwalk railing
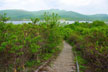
column 77, row 65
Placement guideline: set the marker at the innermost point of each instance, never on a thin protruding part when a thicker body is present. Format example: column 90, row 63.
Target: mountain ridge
column 16, row 14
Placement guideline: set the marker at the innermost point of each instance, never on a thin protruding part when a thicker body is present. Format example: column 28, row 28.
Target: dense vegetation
column 90, row 41
column 24, row 47
column 67, row 15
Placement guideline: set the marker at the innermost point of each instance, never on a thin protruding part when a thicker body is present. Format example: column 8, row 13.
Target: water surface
column 68, row 22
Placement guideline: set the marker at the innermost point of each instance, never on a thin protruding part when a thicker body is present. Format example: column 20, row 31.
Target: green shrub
column 23, row 45
column 92, row 41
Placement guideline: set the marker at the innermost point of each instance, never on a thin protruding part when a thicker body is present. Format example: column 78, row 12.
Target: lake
column 68, row 22
column 18, row 22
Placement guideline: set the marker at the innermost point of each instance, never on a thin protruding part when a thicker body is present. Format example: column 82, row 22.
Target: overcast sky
column 81, row 6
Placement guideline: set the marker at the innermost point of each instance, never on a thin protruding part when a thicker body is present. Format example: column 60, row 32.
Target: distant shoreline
column 62, row 21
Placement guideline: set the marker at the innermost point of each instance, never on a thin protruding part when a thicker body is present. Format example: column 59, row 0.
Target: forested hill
column 68, row 15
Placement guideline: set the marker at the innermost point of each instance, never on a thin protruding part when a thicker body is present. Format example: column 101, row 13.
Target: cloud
column 24, row 4
column 75, row 2
column 86, row 6
column 81, row 6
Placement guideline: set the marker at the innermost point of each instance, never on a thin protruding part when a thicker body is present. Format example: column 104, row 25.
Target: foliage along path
column 64, row 62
